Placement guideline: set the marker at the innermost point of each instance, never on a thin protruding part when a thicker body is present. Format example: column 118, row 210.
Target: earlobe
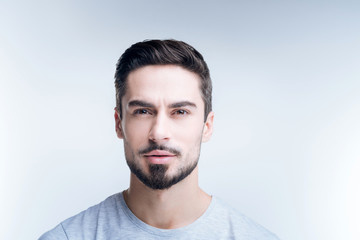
column 208, row 127
column 118, row 128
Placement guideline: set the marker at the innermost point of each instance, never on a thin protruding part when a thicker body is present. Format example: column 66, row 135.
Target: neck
column 176, row 207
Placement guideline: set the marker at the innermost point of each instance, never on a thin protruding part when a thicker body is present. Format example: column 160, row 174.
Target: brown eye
column 181, row 112
column 141, row 112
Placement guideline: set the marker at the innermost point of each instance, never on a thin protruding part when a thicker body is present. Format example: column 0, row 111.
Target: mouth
column 159, row 156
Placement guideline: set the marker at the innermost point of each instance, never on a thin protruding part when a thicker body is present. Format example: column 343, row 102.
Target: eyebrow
column 140, row 103
column 182, row 104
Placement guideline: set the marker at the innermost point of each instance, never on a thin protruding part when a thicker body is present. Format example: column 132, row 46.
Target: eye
column 180, row 112
column 141, row 111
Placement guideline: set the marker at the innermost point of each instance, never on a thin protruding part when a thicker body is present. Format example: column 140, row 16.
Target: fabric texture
column 113, row 220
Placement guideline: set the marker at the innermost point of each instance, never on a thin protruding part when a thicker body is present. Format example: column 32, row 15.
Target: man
column 163, row 113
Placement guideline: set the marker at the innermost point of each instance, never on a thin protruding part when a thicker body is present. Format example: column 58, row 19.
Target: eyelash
column 141, row 111
column 180, row 112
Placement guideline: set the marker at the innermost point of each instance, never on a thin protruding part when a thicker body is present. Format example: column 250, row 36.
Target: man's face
column 162, row 124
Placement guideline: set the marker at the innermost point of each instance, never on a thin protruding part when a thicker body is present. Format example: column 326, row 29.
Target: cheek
column 188, row 136
column 134, row 131
column 189, row 130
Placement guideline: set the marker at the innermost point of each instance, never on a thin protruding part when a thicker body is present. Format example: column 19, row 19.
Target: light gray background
column 285, row 150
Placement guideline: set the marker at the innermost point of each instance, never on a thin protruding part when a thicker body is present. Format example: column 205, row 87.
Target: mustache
column 154, row 146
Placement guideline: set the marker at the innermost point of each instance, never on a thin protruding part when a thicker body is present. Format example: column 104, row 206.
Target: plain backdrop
column 286, row 76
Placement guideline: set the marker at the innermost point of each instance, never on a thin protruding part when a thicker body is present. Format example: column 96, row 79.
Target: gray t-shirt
column 113, row 220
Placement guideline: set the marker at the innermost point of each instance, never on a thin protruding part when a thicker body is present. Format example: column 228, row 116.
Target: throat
column 165, row 210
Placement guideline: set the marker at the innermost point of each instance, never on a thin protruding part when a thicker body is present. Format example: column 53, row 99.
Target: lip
column 159, row 156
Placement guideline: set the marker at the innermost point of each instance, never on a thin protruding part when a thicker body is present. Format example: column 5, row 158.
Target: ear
column 118, row 127
column 208, row 127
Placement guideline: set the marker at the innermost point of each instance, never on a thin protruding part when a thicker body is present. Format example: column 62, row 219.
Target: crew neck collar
column 158, row 231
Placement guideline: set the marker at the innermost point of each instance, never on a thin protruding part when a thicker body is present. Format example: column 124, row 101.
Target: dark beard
column 157, row 179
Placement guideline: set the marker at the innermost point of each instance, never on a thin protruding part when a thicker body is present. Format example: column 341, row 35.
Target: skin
column 163, row 105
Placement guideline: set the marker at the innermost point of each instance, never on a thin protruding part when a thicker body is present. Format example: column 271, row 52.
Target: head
column 163, row 92
column 163, row 52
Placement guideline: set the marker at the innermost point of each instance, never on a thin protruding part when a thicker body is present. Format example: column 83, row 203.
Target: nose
column 160, row 131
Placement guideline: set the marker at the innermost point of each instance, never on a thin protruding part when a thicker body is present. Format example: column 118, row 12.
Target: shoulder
column 105, row 210
column 239, row 225
column 56, row 233
column 85, row 222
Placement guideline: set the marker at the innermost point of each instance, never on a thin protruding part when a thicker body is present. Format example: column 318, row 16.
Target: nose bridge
column 160, row 127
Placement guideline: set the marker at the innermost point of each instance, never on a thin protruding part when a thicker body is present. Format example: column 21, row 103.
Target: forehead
column 168, row 83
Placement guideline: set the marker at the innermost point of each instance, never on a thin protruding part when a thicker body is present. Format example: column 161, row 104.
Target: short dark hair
column 162, row 52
